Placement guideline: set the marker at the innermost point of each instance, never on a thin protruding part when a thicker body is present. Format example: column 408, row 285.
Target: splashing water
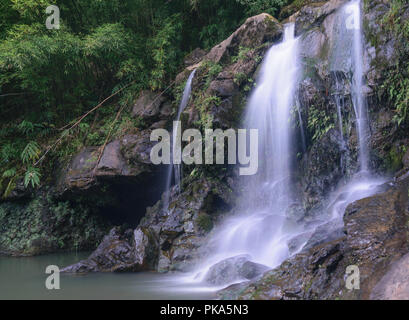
column 176, row 166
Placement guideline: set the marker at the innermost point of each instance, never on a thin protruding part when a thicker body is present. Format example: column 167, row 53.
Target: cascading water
column 302, row 131
column 176, row 166
column 339, row 101
column 260, row 230
column 359, row 101
column 362, row 184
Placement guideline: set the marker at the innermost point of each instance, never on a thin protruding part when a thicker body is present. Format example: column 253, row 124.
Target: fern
column 9, row 173
column 32, row 176
column 26, row 127
column 8, row 152
column 31, row 152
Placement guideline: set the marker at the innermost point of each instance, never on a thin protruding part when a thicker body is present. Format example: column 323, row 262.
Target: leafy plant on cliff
column 319, row 122
column 396, row 84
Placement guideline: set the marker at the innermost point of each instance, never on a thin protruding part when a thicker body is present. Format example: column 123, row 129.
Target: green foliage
column 242, row 54
column 70, row 226
column 319, row 123
column 394, row 158
column 258, row 6
column 32, row 176
column 49, row 78
column 204, row 222
column 205, row 104
column 31, row 152
column 210, row 71
column 9, row 173
column 396, row 84
column 166, row 54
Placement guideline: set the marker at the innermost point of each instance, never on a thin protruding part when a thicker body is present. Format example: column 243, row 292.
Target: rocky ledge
column 375, row 239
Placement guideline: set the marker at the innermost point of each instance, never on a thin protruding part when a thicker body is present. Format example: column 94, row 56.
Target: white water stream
column 176, row 166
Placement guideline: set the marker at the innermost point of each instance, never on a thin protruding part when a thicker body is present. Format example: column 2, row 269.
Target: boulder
column 235, row 269
column 128, row 157
column 254, row 32
column 121, row 252
column 151, row 106
column 314, row 14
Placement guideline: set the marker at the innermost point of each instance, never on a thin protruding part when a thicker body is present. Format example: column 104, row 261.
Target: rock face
column 322, row 168
column 128, row 251
column 151, row 107
column 375, row 236
column 395, row 284
column 127, row 157
column 254, row 32
column 45, row 225
column 221, row 96
column 117, row 179
column 182, row 228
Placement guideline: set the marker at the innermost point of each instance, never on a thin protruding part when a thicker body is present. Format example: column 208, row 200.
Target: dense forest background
column 49, row 78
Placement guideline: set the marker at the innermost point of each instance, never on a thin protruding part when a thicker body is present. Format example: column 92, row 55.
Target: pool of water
column 24, row 278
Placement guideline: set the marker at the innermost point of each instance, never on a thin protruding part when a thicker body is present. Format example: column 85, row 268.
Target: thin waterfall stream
column 176, row 165
column 362, row 184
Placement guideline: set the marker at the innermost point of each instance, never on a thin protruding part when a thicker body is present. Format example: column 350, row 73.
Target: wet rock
column 234, row 269
column 253, row 33
column 121, row 252
column 222, row 88
column 194, row 57
column 376, row 234
column 149, row 106
column 395, row 283
column 112, row 162
column 322, row 167
column 80, row 172
column 182, row 229
column 326, row 232
column 405, row 160
column 375, row 238
column 313, row 14
column 121, row 159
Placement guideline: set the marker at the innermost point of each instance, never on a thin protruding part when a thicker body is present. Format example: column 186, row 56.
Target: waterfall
column 302, row 131
column 358, row 99
column 339, row 101
column 362, row 184
column 260, row 229
column 176, row 166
